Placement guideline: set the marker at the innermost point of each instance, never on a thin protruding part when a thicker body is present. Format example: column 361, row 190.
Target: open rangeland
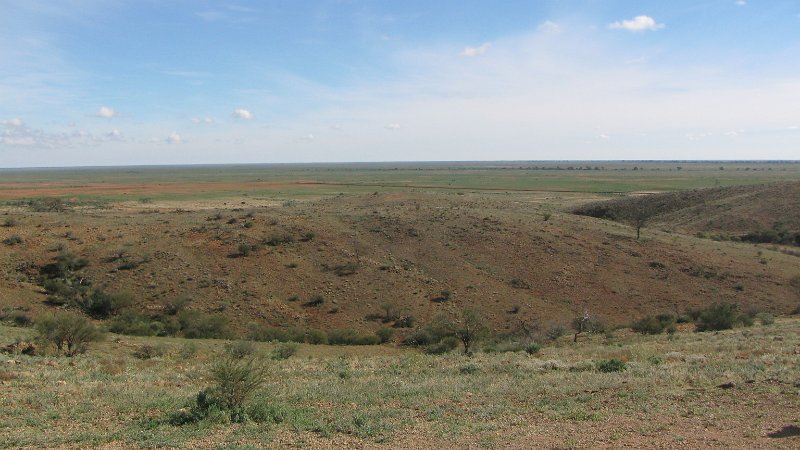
column 399, row 256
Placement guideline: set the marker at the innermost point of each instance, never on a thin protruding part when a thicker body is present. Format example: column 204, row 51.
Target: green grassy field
column 324, row 396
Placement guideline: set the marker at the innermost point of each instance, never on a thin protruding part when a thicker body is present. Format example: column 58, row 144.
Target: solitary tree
column 471, row 329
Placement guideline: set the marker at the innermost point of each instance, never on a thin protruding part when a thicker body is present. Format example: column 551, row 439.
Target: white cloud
column 604, row 136
column 16, row 122
column 549, row 27
column 106, row 112
column 741, row 2
column 174, row 138
column 203, row 120
column 392, row 126
column 638, row 23
column 309, row 137
column 114, row 135
column 243, row 114
column 471, row 52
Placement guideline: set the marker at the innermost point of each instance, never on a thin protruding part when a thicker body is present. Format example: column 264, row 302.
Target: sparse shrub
column 68, row 332
column 765, row 318
column 385, row 334
column 315, row 301
column 307, row 236
column 240, row 349
column 517, row 283
column 445, row 345
column 235, row 383
column 245, row 249
column 148, row 351
column 347, row 269
column 404, row 322
column 276, row 240
column 469, row 369
column 9, row 222
column 546, row 216
column 555, row 332
column 611, row 365
column 17, row 318
column 12, row 240
column 174, row 306
column 284, row 351
column 533, row 348
column 721, row 316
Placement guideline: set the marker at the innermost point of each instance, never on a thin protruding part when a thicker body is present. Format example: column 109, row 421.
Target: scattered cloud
column 471, row 52
column 549, row 27
column 174, row 138
column 741, row 2
column 114, row 135
column 242, row 114
column 106, row 112
column 637, row 24
column 309, row 137
column 15, row 133
column 15, row 122
column 203, row 120
column 392, row 126
column 604, row 136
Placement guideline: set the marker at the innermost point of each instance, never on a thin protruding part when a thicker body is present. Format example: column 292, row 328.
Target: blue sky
column 103, row 82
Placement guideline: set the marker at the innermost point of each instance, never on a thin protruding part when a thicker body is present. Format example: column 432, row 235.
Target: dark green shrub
column 721, row 316
column 137, row 324
column 17, row 318
column 195, row 325
column 654, row 324
column 533, row 348
column 385, row 334
column 277, row 240
column 349, row 336
column 315, row 301
column 13, row 240
column 317, row 337
column 101, row 305
column 611, row 365
column 68, row 332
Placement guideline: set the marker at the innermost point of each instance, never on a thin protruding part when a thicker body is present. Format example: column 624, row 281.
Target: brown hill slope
column 733, row 211
column 495, row 252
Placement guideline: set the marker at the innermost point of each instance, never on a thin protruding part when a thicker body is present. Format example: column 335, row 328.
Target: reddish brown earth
column 496, row 252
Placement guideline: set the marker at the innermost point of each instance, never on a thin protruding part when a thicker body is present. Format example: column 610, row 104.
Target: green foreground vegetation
column 131, row 391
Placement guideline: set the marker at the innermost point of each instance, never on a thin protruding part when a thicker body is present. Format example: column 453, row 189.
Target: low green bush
column 721, row 316
column 611, row 365
column 70, row 333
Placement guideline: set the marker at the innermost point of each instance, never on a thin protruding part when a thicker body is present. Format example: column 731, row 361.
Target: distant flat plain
column 292, row 181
